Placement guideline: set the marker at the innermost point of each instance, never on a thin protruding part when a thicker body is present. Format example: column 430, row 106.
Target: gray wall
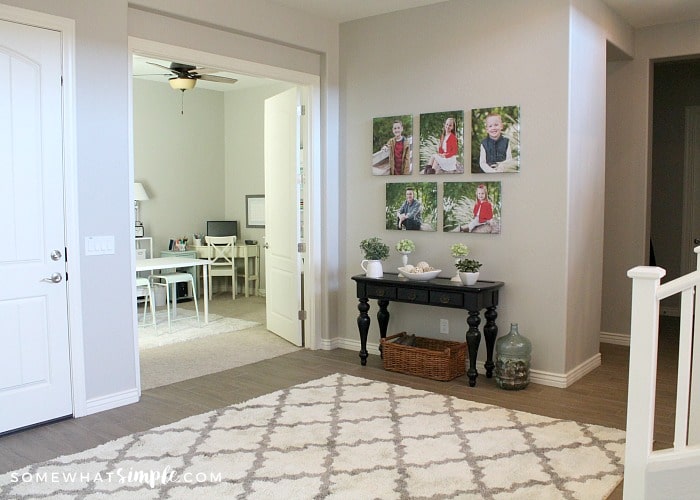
column 550, row 250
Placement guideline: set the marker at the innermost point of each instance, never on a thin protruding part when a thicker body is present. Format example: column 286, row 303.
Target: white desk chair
column 221, row 259
column 143, row 289
column 170, row 280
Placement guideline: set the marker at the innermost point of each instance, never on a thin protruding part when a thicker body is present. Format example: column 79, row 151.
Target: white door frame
column 313, row 290
column 70, row 187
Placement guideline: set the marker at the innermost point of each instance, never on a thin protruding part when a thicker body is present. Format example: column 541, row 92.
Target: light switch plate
column 99, row 245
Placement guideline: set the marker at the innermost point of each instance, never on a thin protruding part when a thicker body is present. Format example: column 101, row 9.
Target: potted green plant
column 468, row 270
column 375, row 251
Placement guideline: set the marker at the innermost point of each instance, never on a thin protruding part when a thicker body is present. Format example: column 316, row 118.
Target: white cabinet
column 146, row 244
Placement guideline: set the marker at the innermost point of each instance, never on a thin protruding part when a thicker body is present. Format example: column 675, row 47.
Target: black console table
column 440, row 292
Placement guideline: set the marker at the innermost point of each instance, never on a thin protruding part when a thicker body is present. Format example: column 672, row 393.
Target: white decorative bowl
column 428, row 275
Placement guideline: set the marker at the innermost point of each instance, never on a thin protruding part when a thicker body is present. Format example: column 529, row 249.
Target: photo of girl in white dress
column 442, row 143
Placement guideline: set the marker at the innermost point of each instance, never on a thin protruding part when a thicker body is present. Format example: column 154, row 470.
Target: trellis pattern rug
column 342, row 437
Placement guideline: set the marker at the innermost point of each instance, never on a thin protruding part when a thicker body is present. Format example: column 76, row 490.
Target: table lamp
column 140, row 194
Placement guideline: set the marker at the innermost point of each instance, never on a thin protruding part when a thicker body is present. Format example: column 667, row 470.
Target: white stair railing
column 647, row 470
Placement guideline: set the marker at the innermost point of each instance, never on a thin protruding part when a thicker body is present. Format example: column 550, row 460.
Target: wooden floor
column 599, row 398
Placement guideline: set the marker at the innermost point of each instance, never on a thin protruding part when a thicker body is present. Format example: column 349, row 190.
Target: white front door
column 282, row 261
column 35, row 375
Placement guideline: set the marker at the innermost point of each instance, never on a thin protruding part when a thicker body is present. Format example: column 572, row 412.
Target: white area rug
column 192, row 351
column 342, row 437
column 185, row 328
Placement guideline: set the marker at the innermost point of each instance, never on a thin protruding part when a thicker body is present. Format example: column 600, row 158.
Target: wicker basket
column 429, row 358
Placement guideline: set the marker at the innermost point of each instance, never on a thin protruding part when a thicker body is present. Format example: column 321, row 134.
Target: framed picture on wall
column 442, row 143
column 255, row 210
column 411, row 206
column 471, row 207
column 392, row 145
column 495, row 141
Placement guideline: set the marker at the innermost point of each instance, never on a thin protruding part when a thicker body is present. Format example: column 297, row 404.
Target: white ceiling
column 349, row 10
column 638, row 13
column 642, row 13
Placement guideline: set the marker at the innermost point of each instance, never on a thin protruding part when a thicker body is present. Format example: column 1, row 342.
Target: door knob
column 266, row 245
column 56, row 255
column 54, row 278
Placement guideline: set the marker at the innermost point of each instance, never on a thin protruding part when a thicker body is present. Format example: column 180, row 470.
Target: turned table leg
column 383, row 319
column 473, row 339
column 363, row 325
column 490, row 334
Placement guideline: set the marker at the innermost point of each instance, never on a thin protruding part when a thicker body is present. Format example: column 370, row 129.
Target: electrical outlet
column 444, row 326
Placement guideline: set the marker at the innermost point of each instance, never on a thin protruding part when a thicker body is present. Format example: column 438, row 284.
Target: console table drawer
column 381, row 292
column 446, row 299
column 409, row 295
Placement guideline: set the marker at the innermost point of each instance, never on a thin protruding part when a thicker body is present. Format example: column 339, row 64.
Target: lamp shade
column 182, row 83
column 140, row 193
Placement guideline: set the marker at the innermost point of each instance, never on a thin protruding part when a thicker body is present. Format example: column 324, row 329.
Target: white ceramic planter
column 468, row 278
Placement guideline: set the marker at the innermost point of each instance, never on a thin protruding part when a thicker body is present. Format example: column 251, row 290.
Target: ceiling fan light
column 182, row 83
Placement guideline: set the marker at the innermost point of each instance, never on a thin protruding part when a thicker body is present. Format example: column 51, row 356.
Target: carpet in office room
column 186, row 360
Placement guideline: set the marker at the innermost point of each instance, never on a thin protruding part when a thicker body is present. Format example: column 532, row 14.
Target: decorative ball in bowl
column 410, row 273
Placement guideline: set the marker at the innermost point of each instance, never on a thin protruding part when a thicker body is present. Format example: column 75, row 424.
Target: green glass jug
column 513, row 353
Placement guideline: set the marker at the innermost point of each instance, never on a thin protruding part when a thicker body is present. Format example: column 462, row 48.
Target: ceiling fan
column 184, row 76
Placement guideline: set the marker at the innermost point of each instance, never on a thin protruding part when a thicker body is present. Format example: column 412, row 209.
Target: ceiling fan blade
column 204, row 71
column 159, row 65
column 214, row 78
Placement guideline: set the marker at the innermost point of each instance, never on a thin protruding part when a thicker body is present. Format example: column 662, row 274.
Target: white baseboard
column 111, row 401
column 564, row 380
column 349, row 344
column 560, row 380
column 615, row 338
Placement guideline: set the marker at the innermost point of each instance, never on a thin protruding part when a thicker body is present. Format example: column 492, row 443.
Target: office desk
column 439, row 292
column 162, row 263
column 245, row 252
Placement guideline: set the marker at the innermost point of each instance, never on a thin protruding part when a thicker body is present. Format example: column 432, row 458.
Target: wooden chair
column 221, row 262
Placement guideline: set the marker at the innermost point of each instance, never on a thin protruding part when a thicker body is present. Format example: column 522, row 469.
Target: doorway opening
column 676, row 91
column 241, row 173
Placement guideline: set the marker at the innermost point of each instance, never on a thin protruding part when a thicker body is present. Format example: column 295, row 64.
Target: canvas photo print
column 392, row 145
column 495, row 141
column 471, row 207
column 442, row 143
column 411, row 206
